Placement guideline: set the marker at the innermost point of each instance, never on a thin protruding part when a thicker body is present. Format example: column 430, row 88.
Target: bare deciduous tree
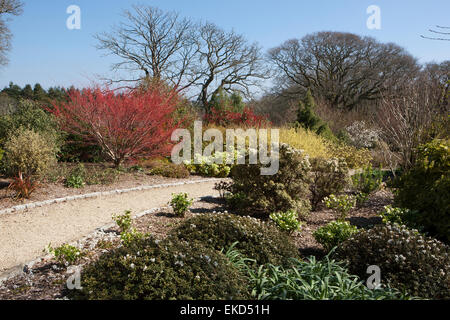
column 405, row 121
column 343, row 68
column 227, row 61
column 440, row 33
column 7, row 7
column 153, row 43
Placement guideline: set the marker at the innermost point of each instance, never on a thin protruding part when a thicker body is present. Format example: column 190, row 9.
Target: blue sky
column 45, row 51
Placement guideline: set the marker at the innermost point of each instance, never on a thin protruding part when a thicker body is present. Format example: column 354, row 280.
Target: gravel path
column 24, row 235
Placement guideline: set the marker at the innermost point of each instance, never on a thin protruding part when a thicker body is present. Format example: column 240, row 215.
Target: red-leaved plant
column 24, row 186
column 126, row 125
column 227, row 117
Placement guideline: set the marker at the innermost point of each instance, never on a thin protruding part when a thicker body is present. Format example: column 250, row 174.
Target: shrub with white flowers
column 407, row 259
column 362, row 136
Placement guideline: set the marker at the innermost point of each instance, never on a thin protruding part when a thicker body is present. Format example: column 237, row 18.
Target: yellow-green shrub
column 29, row 152
column 313, row 145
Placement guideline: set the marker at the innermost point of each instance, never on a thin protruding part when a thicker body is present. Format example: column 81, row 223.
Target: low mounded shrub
column 152, row 270
column 407, row 259
column 256, row 194
column 286, row 221
column 334, row 234
column 180, row 203
column 426, row 189
column 164, row 168
column 327, row 177
column 257, row 240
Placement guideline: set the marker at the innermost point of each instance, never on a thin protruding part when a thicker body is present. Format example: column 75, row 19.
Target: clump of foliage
column 341, row 204
column 287, row 190
column 426, row 189
column 308, row 280
column 334, row 233
column 327, row 177
column 30, row 153
column 207, row 166
column 407, row 259
column 66, row 254
column 76, row 177
column 368, row 181
column 180, row 203
column 126, row 125
column 163, row 167
column 401, row 216
column 23, row 186
column 167, row 270
column 361, row 198
column 28, row 115
column 258, row 240
column 128, row 234
column 286, row 221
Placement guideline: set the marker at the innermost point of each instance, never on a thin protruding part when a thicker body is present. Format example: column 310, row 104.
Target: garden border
column 98, row 194
column 19, row 269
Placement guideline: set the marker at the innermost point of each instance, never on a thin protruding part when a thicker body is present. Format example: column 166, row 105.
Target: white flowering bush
column 341, row 204
column 286, row 221
column 408, row 260
column 362, row 136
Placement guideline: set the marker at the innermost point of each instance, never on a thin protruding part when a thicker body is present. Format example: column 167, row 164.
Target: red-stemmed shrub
column 126, row 125
column 227, row 117
column 24, row 186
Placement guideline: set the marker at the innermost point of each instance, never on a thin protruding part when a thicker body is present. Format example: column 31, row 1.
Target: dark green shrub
column 31, row 117
column 257, row 240
column 286, row 190
column 407, row 259
column 149, row 270
column 426, row 189
column 328, row 176
column 334, row 234
column 368, row 181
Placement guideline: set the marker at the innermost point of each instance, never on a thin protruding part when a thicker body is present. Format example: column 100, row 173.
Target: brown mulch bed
column 53, row 190
column 46, row 281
